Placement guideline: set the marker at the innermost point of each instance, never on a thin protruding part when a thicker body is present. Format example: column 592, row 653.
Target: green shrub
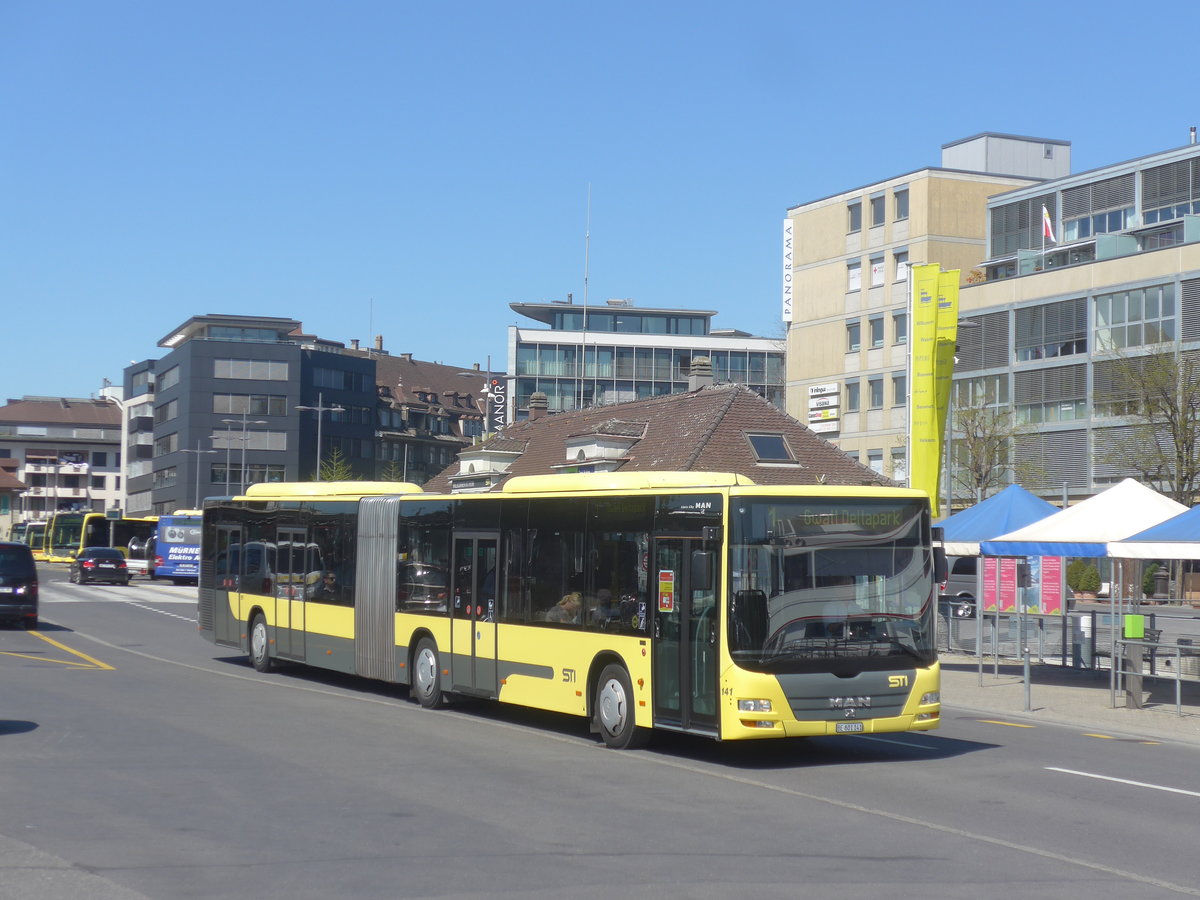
column 1074, row 570
column 1148, row 578
column 1089, row 579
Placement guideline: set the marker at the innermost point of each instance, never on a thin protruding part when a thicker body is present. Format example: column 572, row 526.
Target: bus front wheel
column 614, row 710
column 260, row 649
column 427, row 675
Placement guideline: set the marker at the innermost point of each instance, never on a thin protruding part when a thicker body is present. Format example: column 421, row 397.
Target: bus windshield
column 843, row 584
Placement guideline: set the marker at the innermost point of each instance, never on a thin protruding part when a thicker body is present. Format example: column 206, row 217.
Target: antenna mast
column 587, row 248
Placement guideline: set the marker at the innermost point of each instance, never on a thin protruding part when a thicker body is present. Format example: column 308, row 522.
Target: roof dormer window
column 770, row 447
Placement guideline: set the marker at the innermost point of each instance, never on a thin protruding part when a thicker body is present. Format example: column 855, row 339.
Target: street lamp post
column 320, row 409
column 241, row 475
column 198, row 451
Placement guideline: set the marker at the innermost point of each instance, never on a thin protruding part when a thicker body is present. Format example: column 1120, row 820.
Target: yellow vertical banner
column 947, row 340
column 924, row 448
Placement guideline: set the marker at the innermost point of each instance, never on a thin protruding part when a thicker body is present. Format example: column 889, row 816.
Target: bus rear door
column 473, row 613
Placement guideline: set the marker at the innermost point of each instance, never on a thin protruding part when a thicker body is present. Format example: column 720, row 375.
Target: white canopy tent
column 1087, row 528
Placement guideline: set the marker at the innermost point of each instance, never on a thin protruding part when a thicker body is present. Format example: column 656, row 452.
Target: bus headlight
column 754, row 706
column 931, row 697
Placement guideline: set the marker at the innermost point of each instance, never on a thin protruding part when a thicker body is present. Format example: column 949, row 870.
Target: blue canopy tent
column 1012, row 508
column 1176, row 538
column 1086, row 528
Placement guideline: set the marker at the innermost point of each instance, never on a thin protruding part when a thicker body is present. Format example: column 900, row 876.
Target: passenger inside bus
column 328, row 590
column 567, row 609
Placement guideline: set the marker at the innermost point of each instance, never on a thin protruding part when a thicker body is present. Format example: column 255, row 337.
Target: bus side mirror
column 941, row 566
column 702, row 570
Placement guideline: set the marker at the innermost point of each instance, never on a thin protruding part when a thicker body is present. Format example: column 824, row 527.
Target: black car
column 99, row 564
column 18, row 585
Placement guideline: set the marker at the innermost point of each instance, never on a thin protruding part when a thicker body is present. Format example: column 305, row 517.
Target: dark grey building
column 220, row 410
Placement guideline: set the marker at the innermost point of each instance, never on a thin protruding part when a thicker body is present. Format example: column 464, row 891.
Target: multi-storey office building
column 67, row 453
column 616, row 352
column 219, row 410
column 1058, row 316
column 846, row 260
column 245, row 399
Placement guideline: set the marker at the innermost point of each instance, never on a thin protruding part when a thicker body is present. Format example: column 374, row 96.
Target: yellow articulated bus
column 69, row 532
column 689, row 601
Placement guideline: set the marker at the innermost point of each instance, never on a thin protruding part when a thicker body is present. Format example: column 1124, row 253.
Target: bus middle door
column 473, row 614
column 291, row 581
column 685, row 635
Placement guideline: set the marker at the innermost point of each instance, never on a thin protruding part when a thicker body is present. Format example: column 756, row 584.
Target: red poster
column 991, row 582
column 1008, row 584
column 1052, row 585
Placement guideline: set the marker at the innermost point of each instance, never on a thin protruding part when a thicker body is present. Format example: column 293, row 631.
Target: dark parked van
column 958, row 591
column 18, row 585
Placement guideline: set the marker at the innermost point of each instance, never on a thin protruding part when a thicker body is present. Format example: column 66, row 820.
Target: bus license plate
column 848, row 727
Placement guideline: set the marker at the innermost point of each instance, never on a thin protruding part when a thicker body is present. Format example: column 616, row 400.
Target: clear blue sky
column 410, row 169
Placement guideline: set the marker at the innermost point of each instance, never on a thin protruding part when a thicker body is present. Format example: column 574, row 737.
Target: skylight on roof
column 770, row 447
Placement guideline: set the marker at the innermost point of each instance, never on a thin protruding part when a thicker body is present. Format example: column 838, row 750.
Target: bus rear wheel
column 259, row 644
column 427, row 675
column 614, row 710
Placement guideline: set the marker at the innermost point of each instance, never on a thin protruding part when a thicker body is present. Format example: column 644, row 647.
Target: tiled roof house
column 726, row 428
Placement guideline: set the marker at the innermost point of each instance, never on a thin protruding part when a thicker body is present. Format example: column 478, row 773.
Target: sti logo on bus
column 897, row 681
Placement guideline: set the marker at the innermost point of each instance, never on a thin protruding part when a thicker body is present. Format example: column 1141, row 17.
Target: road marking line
column 1009, row 724
column 94, row 662
column 61, row 662
column 1103, row 737
column 1031, row 850
column 1154, row 787
column 871, row 737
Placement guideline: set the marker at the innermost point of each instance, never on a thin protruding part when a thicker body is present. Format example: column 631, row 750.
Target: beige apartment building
column 849, row 273
column 1063, row 276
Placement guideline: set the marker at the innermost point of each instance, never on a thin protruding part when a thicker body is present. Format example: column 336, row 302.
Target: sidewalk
column 1075, row 697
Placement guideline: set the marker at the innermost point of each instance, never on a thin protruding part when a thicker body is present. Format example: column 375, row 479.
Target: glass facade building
column 617, row 353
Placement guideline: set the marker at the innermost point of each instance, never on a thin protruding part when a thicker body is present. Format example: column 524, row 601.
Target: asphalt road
column 137, row 760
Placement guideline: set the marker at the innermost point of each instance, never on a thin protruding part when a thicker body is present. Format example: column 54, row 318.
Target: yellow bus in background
column 688, row 601
column 69, row 532
column 35, row 538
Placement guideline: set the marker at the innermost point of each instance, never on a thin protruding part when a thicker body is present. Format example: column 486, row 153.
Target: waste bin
column 1162, row 579
column 1081, row 641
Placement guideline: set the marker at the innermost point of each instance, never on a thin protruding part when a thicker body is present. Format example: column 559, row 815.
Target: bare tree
column 981, row 460
column 1157, row 399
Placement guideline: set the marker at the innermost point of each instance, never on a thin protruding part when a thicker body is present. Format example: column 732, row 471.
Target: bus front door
column 473, row 614
column 685, row 636
column 291, row 582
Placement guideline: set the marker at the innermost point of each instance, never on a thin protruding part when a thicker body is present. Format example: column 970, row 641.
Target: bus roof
column 329, row 489
column 619, row 481
column 830, row 490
